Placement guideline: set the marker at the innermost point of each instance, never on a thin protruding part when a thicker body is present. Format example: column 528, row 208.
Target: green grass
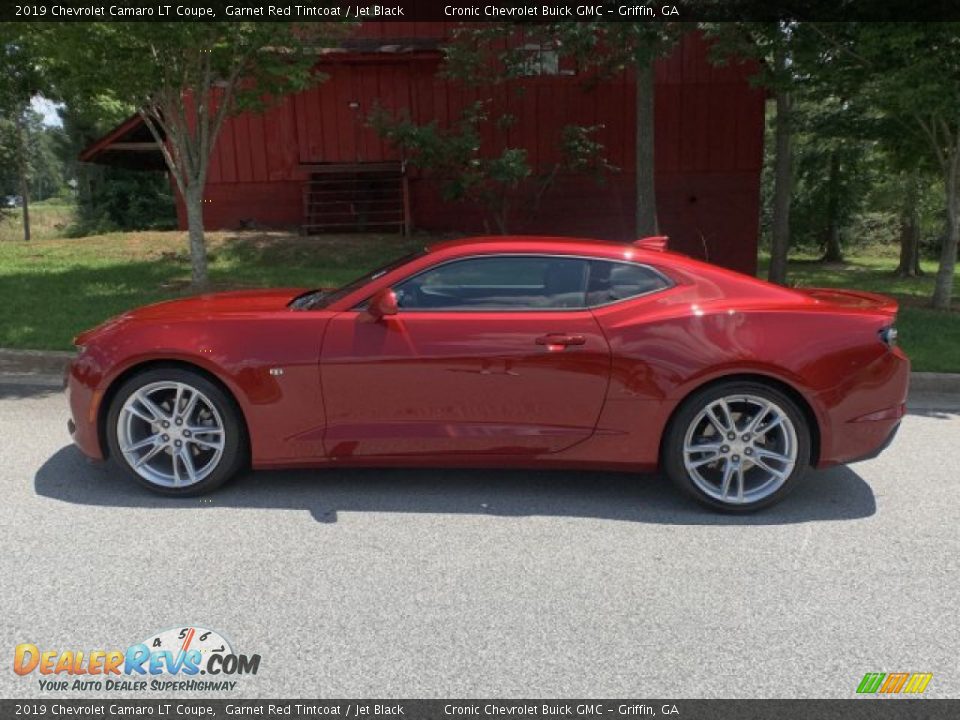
column 930, row 337
column 48, row 220
column 52, row 289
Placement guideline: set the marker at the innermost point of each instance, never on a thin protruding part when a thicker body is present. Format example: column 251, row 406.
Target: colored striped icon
column 892, row 683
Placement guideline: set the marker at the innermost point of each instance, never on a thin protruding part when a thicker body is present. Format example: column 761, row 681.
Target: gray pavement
column 459, row 583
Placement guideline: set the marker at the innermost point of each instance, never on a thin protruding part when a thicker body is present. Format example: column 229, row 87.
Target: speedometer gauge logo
column 185, row 639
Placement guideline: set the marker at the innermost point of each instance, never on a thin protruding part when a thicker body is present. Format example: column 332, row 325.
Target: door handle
column 560, row 340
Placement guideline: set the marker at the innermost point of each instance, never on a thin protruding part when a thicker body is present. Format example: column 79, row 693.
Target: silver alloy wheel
column 740, row 449
column 170, row 434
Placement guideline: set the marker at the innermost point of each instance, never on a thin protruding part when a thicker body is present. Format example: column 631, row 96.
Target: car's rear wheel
column 175, row 431
column 737, row 446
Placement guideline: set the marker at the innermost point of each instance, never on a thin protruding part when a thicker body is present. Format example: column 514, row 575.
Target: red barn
column 313, row 162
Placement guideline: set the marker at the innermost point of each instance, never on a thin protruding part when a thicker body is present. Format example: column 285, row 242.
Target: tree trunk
column 909, row 265
column 23, row 170
column 782, row 179
column 25, row 209
column 645, row 170
column 943, row 289
column 193, row 200
column 832, row 251
column 500, row 219
column 782, row 189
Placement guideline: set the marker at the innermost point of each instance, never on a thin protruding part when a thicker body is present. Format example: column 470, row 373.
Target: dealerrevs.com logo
column 186, row 658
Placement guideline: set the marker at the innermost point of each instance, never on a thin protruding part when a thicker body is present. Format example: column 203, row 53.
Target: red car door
column 486, row 356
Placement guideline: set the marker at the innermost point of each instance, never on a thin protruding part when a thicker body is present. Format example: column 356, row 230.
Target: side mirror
column 382, row 304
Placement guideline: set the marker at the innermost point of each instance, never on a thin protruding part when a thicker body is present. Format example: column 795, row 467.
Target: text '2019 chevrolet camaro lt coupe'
column 497, row 352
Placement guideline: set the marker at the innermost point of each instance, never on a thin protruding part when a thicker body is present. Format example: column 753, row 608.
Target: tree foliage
column 109, row 198
column 600, row 49
column 490, row 55
column 21, row 78
column 900, row 83
column 185, row 79
column 786, row 62
column 494, row 178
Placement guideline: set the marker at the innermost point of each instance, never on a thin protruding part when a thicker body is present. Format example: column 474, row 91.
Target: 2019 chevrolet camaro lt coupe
column 516, row 351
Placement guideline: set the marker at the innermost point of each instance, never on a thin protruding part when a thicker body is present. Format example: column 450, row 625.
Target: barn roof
column 130, row 145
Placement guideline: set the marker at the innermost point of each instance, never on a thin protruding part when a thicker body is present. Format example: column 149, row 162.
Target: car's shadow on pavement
column 835, row 494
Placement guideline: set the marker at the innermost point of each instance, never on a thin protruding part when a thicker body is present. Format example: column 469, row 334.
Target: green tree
column 472, row 156
column 21, row 78
column 47, row 178
column 909, row 73
column 109, row 198
column 785, row 54
column 45, row 170
column 470, row 171
column 835, row 162
column 908, row 184
column 496, row 53
column 185, row 79
column 616, row 47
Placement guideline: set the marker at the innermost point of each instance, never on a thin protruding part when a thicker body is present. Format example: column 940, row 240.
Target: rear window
column 611, row 281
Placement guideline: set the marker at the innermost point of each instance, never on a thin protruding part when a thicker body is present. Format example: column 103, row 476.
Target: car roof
column 662, row 259
column 540, row 244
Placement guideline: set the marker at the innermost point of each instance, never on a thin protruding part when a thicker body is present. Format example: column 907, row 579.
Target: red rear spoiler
column 852, row 299
column 657, row 243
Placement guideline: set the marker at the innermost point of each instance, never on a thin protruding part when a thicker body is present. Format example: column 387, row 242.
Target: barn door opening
column 355, row 197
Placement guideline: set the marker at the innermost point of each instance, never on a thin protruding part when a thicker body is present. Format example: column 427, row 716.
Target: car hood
column 200, row 306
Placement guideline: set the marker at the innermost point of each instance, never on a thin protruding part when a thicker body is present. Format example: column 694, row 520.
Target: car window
column 324, row 298
column 498, row 283
column 611, row 281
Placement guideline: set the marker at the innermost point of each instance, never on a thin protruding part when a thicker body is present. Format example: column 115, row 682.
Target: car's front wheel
column 737, row 446
column 175, row 431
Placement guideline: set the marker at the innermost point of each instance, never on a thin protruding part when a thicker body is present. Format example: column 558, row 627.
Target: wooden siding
column 709, row 145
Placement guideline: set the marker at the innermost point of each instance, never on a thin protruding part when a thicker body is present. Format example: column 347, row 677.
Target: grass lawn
column 48, row 219
column 51, row 288
column 930, row 337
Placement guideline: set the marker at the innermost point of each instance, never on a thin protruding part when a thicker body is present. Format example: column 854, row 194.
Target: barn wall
column 709, row 134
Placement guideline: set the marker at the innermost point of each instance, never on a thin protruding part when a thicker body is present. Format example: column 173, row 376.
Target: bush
column 114, row 199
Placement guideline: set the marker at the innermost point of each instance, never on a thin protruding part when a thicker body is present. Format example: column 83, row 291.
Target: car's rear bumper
column 865, row 421
column 879, row 448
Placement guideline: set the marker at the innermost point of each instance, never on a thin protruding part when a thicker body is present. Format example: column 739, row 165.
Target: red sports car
column 515, row 351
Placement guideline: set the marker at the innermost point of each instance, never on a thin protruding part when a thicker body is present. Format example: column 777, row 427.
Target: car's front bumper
column 83, row 399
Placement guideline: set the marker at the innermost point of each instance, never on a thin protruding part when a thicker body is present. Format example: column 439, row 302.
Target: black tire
column 672, row 448
column 234, row 451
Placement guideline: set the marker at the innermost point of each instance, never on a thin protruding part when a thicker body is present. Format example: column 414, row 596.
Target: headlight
column 889, row 335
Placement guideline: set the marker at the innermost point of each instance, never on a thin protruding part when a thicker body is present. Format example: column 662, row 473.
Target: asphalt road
column 490, row 584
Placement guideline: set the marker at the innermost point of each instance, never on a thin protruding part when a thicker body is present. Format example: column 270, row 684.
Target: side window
column 611, row 281
column 498, row 283
column 540, row 60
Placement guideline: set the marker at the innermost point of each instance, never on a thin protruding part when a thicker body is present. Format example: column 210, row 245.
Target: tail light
column 888, row 335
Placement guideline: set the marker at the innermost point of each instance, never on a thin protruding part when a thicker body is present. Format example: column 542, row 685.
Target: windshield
column 320, row 299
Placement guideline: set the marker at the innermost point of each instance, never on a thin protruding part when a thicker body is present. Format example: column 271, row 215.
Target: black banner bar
column 479, row 11
column 856, row 709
